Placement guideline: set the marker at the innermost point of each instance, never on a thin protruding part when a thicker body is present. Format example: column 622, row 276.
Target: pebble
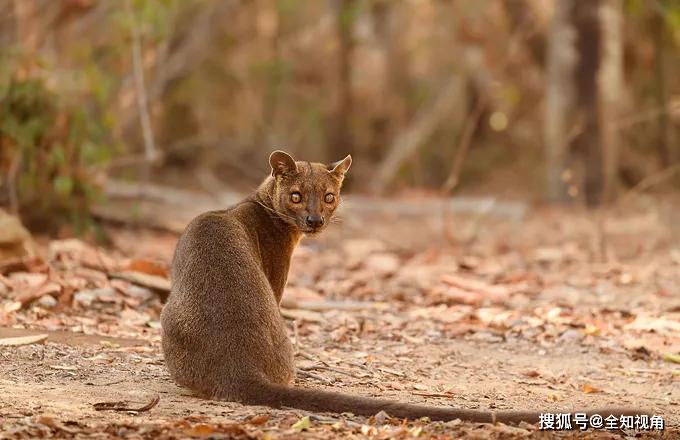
column 47, row 301
column 87, row 297
column 141, row 293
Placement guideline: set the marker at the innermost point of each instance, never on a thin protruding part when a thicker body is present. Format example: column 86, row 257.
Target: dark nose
column 314, row 221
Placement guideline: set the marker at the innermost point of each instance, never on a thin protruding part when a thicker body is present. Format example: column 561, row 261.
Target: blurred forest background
column 552, row 100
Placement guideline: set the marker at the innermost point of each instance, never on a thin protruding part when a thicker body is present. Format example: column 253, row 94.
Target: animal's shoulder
column 216, row 226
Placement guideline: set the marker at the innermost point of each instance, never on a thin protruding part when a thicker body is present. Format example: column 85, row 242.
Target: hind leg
column 279, row 366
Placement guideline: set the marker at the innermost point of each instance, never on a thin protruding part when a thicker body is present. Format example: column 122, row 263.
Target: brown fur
column 222, row 333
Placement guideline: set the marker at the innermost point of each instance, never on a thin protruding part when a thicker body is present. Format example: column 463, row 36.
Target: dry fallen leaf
column 48, row 288
column 259, row 419
column 662, row 325
column 200, row 430
column 553, row 397
column 148, row 267
column 590, row 389
column 302, row 424
column 368, row 430
column 672, row 357
column 415, row 431
column 591, row 330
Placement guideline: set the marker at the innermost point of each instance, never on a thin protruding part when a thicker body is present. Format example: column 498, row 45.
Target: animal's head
column 306, row 194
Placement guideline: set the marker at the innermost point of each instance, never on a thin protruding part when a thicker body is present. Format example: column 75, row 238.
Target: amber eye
column 330, row 198
column 296, row 197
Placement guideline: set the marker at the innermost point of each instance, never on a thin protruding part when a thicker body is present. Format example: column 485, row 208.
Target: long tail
column 325, row 401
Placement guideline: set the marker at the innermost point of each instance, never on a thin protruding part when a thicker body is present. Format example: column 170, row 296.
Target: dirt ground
column 547, row 309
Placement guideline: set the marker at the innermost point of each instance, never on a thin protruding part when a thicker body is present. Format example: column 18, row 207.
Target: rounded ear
column 340, row 167
column 282, row 163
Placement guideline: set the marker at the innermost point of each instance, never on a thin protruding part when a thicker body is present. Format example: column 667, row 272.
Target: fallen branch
column 117, row 213
column 22, row 340
column 123, row 406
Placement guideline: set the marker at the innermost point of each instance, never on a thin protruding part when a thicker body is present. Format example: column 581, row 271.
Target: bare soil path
column 552, row 310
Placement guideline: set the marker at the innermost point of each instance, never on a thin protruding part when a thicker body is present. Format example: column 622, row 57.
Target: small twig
column 123, row 406
column 325, row 366
column 520, row 34
column 318, row 377
column 391, row 371
column 429, row 394
column 105, row 384
column 471, row 122
column 464, row 145
column 307, row 356
column 100, row 260
column 648, row 182
column 356, row 364
column 627, row 121
column 303, row 315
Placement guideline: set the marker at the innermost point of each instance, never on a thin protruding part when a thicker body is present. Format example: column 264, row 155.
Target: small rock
column 133, row 317
column 28, row 279
column 548, row 254
column 570, row 335
column 382, row 264
column 382, row 418
column 292, row 296
column 47, row 301
column 87, row 297
column 139, row 292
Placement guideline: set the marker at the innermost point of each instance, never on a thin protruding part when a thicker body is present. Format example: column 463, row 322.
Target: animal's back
column 221, row 311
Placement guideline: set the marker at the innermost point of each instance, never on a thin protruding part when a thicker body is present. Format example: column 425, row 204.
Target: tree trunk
column 341, row 139
column 586, row 21
column 659, row 29
column 584, row 83
column 561, row 59
column 611, row 84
